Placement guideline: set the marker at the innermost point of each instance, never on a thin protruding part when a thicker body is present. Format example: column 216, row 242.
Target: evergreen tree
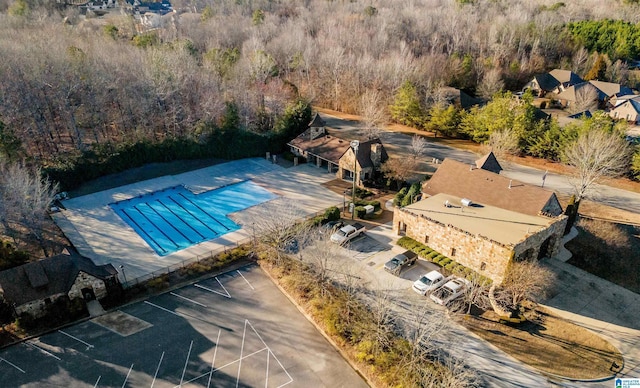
column 406, row 108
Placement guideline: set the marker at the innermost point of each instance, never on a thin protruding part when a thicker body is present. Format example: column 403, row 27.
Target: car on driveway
column 429, row 282
column 395, row 265
column 451, row 290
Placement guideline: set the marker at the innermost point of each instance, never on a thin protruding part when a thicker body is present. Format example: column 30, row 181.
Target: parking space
column 233, row 330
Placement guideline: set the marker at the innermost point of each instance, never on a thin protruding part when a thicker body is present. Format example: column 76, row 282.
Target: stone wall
column 36, row 308
column 346, row 162
column 485, row 256
column 84, row 280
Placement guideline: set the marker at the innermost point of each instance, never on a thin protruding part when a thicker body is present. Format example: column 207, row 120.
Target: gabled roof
column 485, row 187
column 566, row 76
column 580, row 115
column 489, row 163
column 570, row 94
column 47, row 277
column 326, row 147
column 457, row 97
column 364, row 153
column 610, row 88
column 631, row 103
column 317, row 121
column 546, row 81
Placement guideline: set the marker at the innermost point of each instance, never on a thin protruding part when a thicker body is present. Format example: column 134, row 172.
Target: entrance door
column 88, row 294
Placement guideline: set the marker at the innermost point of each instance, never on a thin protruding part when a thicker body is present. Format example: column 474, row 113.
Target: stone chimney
column 316, row 132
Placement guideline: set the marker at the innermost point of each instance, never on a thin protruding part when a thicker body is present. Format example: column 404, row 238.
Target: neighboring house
column 29, row 288
column 611, row 89
column 555, row 81
column 628, row 110
column 542, row 84
column 456, row 97
column 483, row 220
column 584, row 94
column 160, row 7
column 336, row 155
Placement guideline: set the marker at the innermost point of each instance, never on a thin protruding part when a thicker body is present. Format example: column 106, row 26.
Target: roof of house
column 53, row 275
column 610, row 88
column 364, row 153
column 326, row 147
column 631, row 103
column 317, row 121
column 580, row 115
column 546, row 81
column 482, row 186
column 566, row 76
column 489, row 163
column 498, row 224
column 457, row 97
column 570, row 93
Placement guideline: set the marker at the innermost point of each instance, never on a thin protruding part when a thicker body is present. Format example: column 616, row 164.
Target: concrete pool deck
column 99, row 233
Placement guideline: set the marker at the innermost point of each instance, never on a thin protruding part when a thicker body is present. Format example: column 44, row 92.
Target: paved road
column 399, row 143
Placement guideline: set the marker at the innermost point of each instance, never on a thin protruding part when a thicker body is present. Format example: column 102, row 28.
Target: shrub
column 360, row 211
column 397, row 200
column 332, row 213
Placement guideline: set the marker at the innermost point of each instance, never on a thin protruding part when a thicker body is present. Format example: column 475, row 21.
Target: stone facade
column 84, row 280
column 485, row 256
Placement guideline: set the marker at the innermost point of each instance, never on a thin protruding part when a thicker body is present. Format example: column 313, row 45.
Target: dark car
column 332, row 226
column 400, row 261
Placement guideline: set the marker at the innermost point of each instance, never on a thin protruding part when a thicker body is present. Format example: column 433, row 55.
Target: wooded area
column 221, row 81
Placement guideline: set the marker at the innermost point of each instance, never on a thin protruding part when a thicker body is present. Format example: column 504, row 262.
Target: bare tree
column 527, row 280
column 418, row 146
column 399, row 169
column 595, row 154
column 26, row 198
column 502, row 143
column 373, row 114
column 490, row 84
column 324, row 256
column 586, row 99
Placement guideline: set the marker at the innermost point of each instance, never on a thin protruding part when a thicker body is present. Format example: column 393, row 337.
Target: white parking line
column 185, row 298
column 89, row 346
column 42, row 350
column 186, row 362
column 223, row 366
column 269, row 350
column 213, row 360
column 127, row 378
column 245, row 279
column 12, row 364
column 157, row 369
column 227, row 295
column 164, row 309
column 97, row 381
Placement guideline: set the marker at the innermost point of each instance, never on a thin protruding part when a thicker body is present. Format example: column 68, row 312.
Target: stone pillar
column 318, row 162
column 268, row 156
column 275, row 159
column 329, row 167
column 295, row 160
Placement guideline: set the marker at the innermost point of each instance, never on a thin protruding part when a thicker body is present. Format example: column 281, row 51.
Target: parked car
column 451, row 290
column 395, row 265
column 332, row 226
column 347, row 233
column 429, row 282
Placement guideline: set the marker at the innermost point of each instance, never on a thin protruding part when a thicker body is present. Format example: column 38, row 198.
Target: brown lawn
column 550, row 344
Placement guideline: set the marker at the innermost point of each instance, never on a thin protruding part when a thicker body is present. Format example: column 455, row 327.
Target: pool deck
column 99, row 233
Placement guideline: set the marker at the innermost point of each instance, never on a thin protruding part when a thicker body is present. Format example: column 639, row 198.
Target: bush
column 332, row 214
column 397, row 200
column 360, row 211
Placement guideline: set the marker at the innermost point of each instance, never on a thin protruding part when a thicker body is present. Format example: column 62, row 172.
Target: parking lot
column 233, row 330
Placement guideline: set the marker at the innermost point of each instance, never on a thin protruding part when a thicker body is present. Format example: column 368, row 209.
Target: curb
column 342, row 353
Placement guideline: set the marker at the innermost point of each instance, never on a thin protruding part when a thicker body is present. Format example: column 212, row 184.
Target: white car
column 429, row 282
column 450, row 291
column 347, row 233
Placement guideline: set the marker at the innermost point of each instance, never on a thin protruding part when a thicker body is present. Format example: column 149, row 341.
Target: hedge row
column 443, row 261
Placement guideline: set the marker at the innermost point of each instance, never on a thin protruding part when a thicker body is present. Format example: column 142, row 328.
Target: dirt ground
column 549, row 344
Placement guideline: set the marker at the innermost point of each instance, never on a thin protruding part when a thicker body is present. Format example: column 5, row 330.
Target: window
column 426, row 239
column 47, row 301
column 483, row 265
column 453, row 252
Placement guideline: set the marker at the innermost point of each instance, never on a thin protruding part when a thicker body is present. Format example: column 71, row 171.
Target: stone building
column 483, row 220
column 29, row 288
column 323, row 150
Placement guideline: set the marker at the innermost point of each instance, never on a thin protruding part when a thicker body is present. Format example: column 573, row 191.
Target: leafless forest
column 68, row 82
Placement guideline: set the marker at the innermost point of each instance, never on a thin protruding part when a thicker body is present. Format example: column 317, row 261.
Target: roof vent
column 510, row 181
column 466, row 201
column 447, row 204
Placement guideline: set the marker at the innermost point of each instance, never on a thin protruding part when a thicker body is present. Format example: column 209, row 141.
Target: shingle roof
column 610, row 88
column 364, row 153
column 46, row 277
column 546, row 81
column 566, row 76
column 326, row 147
column 489, row 163
column 485, row 187
column 569, row 94
column 317, row 121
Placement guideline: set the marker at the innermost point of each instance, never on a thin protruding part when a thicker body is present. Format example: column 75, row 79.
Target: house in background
column 555, row 81
column 31, row 287
column 628, row 110
column 323, row 150
column 483, row 220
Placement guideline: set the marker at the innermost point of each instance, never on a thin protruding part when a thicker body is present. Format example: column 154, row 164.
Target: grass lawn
column 549, row 344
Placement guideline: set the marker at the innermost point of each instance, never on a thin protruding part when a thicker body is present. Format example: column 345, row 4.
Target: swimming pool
column 175, row 218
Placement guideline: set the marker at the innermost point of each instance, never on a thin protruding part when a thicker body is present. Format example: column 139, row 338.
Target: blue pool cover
column 173, row 219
